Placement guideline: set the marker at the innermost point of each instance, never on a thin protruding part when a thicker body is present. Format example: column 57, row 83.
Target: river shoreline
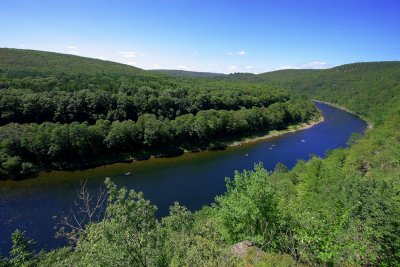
column 369, row 123
column 193, row 179
column 146, row 155
column 275, row 133
column 174, row 152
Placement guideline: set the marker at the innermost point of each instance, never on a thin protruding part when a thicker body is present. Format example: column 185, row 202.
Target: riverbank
column 275, row 133
column 171, row 151
column 119, row 164
column 369, row 123
column 144, row 155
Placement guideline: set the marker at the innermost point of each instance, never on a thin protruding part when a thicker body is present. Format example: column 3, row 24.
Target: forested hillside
column 61, row 111
column 343, row 210
column 22, row 61
column 365, row 88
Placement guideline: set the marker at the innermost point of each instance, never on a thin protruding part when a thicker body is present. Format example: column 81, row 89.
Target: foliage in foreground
column 130, row 235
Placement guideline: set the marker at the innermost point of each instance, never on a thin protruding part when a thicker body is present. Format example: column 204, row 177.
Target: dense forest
column 342, row 210
column 56, row 118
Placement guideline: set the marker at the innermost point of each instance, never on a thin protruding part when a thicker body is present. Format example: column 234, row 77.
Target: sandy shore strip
column 290, row 129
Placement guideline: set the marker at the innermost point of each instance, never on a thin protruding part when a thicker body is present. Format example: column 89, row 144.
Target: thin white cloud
column 128, row 54
column 186, row 67
column 286, row 67
column 310, row 65
column 101, row 57
column 239, row 53
column 132, row 63
column 72, row 50
column 240, row 69
column 316, row 65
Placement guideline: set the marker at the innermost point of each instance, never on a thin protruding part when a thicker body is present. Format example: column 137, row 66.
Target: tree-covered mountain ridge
column 37, row 61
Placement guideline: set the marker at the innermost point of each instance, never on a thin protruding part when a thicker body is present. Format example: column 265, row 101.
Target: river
column 193, row 179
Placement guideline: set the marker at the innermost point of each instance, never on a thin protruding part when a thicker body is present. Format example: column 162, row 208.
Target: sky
column 223, row 36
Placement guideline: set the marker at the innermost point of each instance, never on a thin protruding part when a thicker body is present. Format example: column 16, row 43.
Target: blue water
column 193, row 179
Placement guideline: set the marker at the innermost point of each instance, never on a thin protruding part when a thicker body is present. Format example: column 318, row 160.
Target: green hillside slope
column 39, row 61
column 365, row 88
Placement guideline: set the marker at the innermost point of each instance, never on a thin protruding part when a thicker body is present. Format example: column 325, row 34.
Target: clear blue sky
column 219, row 36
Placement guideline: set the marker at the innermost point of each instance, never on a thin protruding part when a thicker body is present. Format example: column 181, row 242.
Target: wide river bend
column 193, row 179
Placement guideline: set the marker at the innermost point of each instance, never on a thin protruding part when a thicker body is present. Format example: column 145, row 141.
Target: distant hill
column 366, row 88
column 353, row 68
column 361, row 86
column 49, row 62
column 184, row 73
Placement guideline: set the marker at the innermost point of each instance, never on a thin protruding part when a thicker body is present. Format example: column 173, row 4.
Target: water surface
column 193, row 179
